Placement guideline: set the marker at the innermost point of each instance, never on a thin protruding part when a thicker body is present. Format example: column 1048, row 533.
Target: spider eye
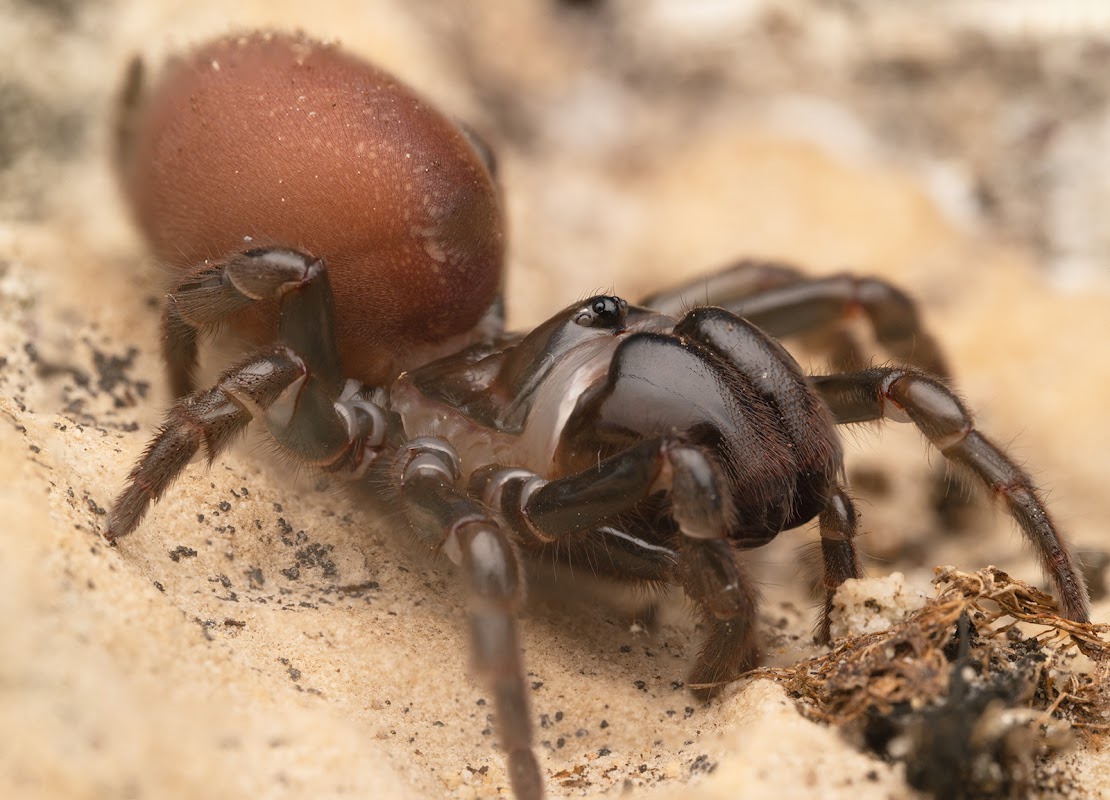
column 604, row 311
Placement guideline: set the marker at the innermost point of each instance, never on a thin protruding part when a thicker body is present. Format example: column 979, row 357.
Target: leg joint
column 509, row 490
column 428, row 456
column 929, row 404
column 838, row 519
column 270, row 271
column 488, row 559
column 700, row 501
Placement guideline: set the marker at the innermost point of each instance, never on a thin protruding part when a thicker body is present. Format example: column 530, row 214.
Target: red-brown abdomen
column 270, row 139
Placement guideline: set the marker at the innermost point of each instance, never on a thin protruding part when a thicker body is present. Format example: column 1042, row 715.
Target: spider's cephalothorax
column 647, row 442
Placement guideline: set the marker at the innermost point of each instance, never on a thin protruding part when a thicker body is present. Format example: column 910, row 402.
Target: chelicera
column 320, row 208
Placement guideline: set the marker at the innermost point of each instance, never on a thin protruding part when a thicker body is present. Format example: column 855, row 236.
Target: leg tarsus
column 838, row 554
column 274, row 384
column 1023, row 502
column 715, row 578
column 211, row 418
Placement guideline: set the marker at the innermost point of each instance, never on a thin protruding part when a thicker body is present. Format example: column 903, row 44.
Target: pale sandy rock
column 872, row 605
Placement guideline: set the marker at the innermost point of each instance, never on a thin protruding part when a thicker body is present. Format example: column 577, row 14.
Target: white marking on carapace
column 572, row 373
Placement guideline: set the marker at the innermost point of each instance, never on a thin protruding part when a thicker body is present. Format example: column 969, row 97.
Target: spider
column 319, row 207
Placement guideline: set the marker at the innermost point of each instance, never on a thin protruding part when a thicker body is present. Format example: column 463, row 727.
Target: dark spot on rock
column 315, row 556
column 702, row 764
column 181, row 551
column 359, row 589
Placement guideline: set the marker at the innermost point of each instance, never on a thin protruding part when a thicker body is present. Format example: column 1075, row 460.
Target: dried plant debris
column 971, row 692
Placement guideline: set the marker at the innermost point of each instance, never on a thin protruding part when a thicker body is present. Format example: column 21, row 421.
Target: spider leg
column 785, row 302
column 447, row 519
column 718, row 581
column 297, row 388
column 909, row 396
column 275, row 384
column 708, row 565
column 545, row 511
column 801, row 416
column 725, row 287
column 838, row 554
column 213, row 292
column 616, row 549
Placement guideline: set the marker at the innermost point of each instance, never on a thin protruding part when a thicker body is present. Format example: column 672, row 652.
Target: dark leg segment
column 910, row 396
column 700, row 504
column 213, row 293
column 785, row 302
column 212, row 418
column 608, row 549
column 725, row 287
column 714, row 577
column 447, row 519
column 821, row 302
column 838, row 553
column 274, row 384
column 708, row 565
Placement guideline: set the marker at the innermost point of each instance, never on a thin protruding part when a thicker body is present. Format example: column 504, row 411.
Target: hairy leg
column 449, row 520
column 909, row 396
column 297, row 387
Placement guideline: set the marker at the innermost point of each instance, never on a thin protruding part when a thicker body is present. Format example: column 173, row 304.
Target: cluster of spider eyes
column 603, row 312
